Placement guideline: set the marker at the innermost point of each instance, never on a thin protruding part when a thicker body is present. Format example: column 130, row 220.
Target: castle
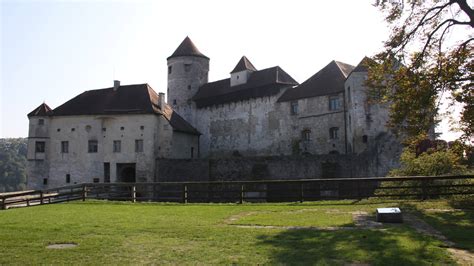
column 116, row 134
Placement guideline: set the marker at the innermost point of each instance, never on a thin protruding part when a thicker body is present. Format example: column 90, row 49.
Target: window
column 106, row 172
column 334, row 133
column 45, row 181
column 365, row 139
column 187, row 67
column 104, row 129
column 117, row 145
column 40, row 146
column 237, row 76
column 294, row 108
column 170, row 69
column 68, row 178
column 40, row 122
column 138, row 145
column 174, row 101
column 306, row 135
column 142, row 127
column 64, row 146
column 58, row 130
column 96, row 180
column 73, row 129
column 122, row 128
column 334, row 103
column 192, row 152
column 93, row 146
column 189, row 87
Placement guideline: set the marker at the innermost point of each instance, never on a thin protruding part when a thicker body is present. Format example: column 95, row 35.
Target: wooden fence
column 420, row 187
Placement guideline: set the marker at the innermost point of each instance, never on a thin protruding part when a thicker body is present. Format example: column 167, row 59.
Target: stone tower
column 188, row 69
column 38, row 146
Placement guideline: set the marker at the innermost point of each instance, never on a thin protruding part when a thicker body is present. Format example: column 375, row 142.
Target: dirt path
column 461, row 256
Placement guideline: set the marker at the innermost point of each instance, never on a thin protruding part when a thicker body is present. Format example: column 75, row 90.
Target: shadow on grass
column 456, row 225
column 396, row 246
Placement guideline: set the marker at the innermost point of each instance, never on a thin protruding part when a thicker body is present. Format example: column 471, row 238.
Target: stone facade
column 254, row 124
column 73, row 149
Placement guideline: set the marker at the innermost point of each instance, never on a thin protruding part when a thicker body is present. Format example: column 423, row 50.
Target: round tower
column 188, row 69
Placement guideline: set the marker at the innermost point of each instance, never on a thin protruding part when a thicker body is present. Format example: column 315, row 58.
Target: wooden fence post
column 241, row 194
column 185, row 193
column 84, row 193
column 41, row 197
column 4, row 204
column 301, row 192
column 134, row 194
column 423, row 189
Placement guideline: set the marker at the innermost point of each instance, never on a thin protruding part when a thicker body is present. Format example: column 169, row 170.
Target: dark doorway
column 126, row 172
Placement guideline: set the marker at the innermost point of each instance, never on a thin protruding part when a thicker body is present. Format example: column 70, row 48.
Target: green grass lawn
column 153, row 233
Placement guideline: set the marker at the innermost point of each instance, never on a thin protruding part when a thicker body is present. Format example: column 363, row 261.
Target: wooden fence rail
column 421, row 187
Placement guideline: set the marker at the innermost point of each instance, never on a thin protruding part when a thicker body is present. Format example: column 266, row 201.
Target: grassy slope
column 189, row 234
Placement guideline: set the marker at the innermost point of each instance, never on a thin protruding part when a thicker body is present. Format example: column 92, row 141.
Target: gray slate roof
column 261, row 83
column 129, row 99
column 329, row 80
column 187, row 48
column 243, row 64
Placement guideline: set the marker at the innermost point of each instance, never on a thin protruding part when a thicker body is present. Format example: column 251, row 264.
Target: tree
column 429, row 56
column 12, row 164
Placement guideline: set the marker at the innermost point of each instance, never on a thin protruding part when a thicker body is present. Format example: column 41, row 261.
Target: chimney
column 116, row 84
column 162, row 102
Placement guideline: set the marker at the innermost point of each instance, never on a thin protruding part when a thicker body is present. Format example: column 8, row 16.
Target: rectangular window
column 170, row 69
column 40, row 146
column 68, row 178
column 117, row 145
column 192, row 152
column 306, row 135
column 93, row 146
column 64, row 146
column 96, row 180
column 365, row 139
column 106, row 172
column 40, row 122
column 45, row 181
column 294, row 108
column 334, row 133
column 334, row 103
column 138, row 145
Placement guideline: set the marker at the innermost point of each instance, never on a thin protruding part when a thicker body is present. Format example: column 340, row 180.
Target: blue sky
column 53, row 50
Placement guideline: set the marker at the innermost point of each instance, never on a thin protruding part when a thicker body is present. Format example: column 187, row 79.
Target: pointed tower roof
column 42, row 110
column 243, row 64
column 187, row 48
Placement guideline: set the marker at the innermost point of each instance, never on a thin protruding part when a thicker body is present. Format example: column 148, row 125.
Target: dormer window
column 241, row 72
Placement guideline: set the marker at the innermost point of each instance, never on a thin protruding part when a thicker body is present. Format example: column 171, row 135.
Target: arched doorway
column 126, row 172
